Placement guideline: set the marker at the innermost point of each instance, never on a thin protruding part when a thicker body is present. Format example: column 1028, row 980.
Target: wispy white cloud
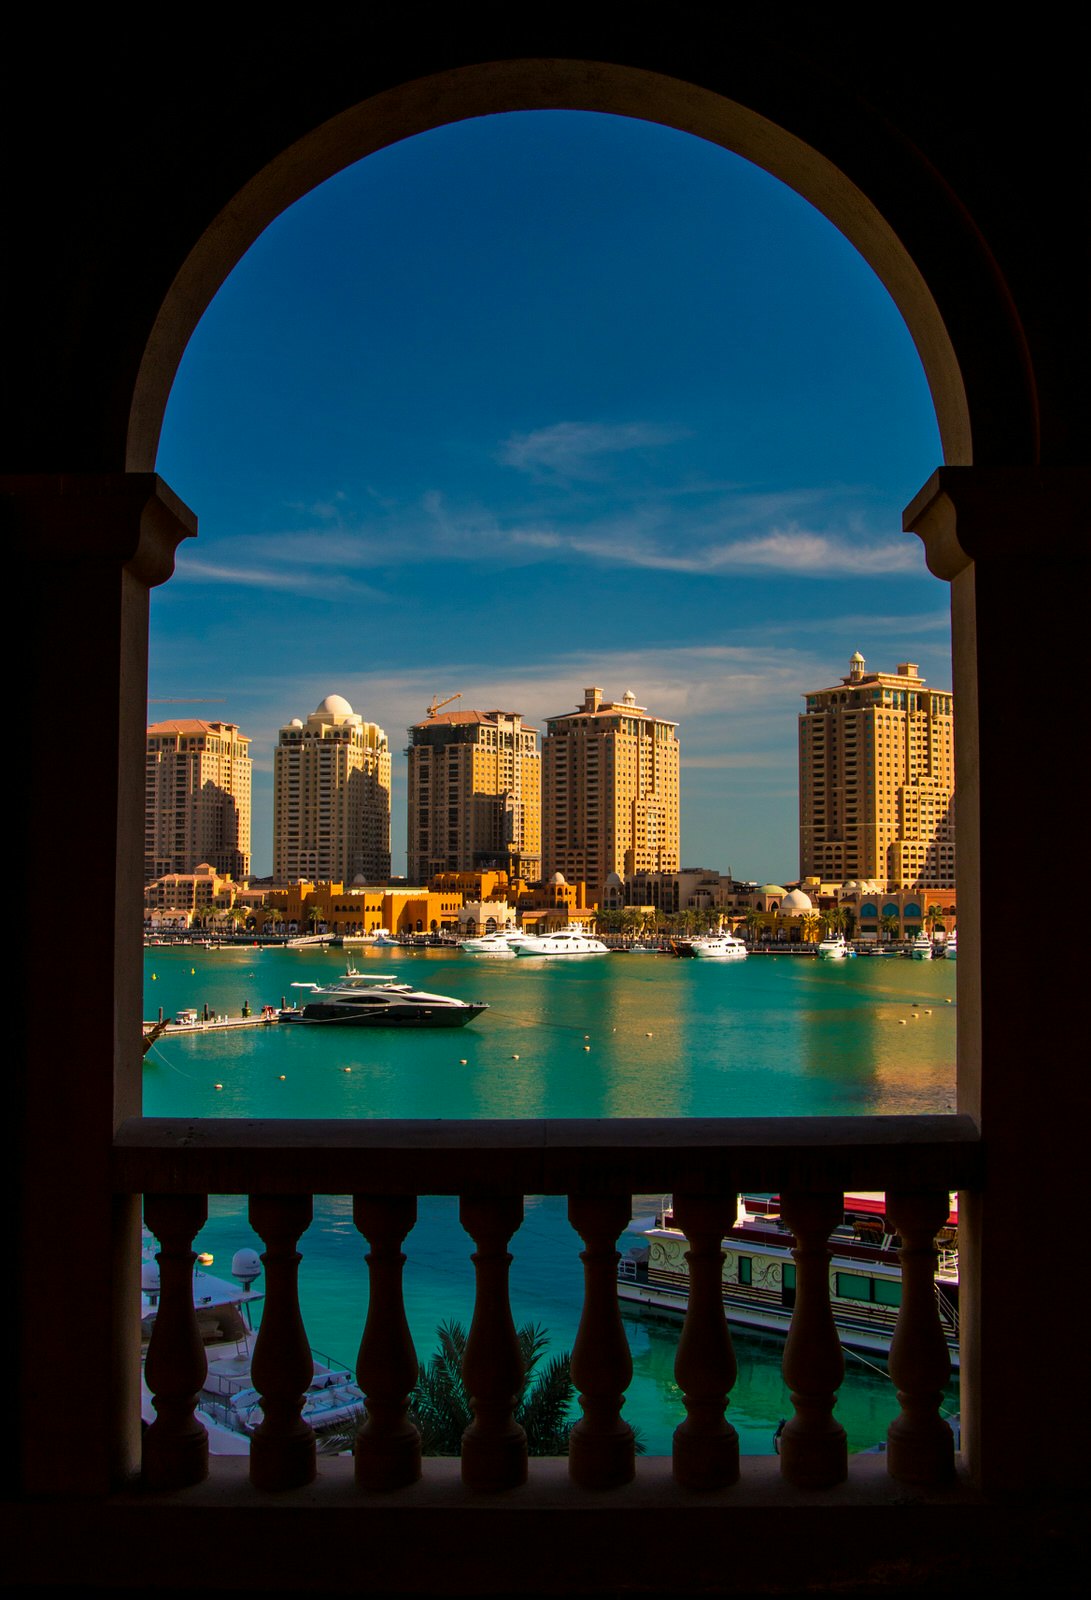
column 580, row 449
column 792, row 551
column 321, row 584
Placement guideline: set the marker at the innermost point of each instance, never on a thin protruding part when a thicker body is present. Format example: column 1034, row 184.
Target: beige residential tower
column 610, row 792
column 196, row 798
column 474, row 795
column 331, row 798
column 877, row 781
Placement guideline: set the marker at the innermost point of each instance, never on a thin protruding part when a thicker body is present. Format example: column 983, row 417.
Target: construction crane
column 438, row 705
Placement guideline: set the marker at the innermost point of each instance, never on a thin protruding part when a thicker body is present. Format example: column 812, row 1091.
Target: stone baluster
column 601, row 1451
column 920, row 1444
column 387, row 1445
column 494, row 1446
column 706, row 1446
column 813, row 1450
column 282, row 1453
column 175, row 1451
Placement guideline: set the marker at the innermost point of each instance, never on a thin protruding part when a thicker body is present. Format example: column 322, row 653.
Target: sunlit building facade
column 474, row 801
column 196, row 798
column 331, row 798
column 877, row 781
column 610, row 792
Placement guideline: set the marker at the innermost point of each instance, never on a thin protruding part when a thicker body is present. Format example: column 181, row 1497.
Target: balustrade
column 813, row 1452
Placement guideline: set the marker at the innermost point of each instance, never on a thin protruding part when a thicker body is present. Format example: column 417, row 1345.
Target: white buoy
column 219, row 1086
column 515, row 1058
column 462, row 1061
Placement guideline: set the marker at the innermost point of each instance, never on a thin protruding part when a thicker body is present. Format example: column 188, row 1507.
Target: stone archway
column 968, row 342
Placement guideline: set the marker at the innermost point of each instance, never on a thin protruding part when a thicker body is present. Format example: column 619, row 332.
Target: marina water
column 611, row 1036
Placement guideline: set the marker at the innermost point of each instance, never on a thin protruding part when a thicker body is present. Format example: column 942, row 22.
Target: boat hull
column 411, row 1015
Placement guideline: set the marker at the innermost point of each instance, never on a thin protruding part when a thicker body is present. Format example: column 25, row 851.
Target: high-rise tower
column 610, row 792
column 196, row 798
column 474, row 795
column 331, row 798
column 877, row 781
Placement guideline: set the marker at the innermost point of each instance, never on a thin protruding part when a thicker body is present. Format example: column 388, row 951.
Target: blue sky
column 539, row 401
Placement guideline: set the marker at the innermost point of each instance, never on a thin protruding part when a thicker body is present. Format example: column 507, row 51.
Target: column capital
column 131, row 518
column 965, row 514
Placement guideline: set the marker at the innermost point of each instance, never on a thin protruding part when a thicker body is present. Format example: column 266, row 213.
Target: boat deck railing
column 491, row 1166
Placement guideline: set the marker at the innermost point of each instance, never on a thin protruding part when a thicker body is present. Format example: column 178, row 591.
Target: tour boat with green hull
column 363, row 1001
column 759, row 1280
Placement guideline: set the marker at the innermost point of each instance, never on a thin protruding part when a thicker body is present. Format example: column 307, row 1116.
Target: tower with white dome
column 331, row 798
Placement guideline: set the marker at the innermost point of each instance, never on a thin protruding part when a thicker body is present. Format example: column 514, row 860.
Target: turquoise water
column 771, row 1036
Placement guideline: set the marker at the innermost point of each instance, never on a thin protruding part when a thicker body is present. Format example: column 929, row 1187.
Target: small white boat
column 833, row 948
column 950, row 949
column 719, row 947
column 921, row 948
column 488, row 944
column 566, row 942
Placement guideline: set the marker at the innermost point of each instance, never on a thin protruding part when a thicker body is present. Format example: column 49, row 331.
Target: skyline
column 542, row 401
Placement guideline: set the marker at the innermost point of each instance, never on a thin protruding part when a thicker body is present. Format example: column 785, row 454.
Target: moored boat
column 364, row 1001
column 833, row 948
column 565, row 942
column 228, row 1406
column 921, row 948
column 719, row 947
column 759, row 1282
column 487, row 944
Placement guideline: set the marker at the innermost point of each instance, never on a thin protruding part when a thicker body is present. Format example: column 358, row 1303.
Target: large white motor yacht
column 833, row 947
column 565, row 942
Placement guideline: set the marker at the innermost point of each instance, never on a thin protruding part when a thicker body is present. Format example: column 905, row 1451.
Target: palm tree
column 440, row 1406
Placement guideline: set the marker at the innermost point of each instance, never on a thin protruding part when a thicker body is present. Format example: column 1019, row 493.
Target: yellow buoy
column 462, row 1061
column 347, row 1069
column 515, row 1058
column 219, row 1085
column 154, row 976
column 647, row 1036
column 587, row 1047
column 282, row 1078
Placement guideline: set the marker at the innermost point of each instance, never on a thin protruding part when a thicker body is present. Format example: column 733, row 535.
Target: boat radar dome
column 245, row 1265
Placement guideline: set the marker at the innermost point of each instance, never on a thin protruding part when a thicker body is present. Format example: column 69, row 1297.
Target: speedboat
column 921, row 948
column 833, row 947
column 719, row 947
column 364, row 1001
column 565, row 942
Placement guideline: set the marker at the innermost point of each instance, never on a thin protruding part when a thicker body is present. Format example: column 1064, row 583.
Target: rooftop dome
column 613, row 881
column 796, row 903
column 336, row 705
column 771, row 888
column 296, row 722
column 558, row 877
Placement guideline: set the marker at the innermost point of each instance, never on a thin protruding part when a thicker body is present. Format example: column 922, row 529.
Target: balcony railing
column 598, row 1165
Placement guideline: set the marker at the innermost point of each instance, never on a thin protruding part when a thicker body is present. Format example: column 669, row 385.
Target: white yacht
column 950, row 948
column 921, row 948
column 833, row 947
column 487, row 944
column 566, row 942
column 719, row 947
